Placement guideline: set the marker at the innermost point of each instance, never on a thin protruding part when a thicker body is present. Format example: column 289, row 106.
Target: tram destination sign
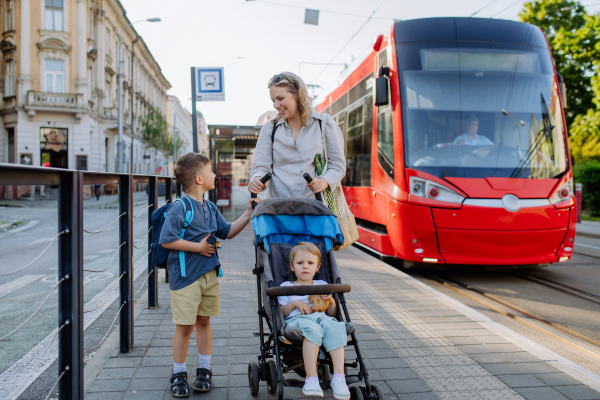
column 209, row 84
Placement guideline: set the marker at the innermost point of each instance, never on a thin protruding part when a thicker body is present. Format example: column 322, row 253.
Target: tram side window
column 354, row 144
column 383, row 61
column 367, row 143
column 385, row 140
column 341, row 121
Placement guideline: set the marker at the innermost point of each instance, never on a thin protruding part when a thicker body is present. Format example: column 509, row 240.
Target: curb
column 588, row 235
column 8, row 224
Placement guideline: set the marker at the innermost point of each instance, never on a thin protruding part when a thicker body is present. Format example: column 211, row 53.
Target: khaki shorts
column 200, row 298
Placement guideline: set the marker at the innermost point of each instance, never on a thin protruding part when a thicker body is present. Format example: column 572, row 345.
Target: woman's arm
column 263, row 155
column 336, row 162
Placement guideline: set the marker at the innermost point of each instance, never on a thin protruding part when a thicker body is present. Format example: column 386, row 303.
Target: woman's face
column 284, row 101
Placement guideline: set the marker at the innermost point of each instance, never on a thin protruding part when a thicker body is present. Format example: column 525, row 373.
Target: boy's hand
column 304, row 308
column 256, row 200
column 327, row 297
column 206, row 249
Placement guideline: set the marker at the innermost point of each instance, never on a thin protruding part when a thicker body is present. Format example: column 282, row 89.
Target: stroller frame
column 272, row 362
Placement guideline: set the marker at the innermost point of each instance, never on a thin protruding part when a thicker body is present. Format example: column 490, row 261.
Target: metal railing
column 70, row 259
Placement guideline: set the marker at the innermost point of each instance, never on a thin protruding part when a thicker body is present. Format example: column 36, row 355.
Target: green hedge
column 588, row 174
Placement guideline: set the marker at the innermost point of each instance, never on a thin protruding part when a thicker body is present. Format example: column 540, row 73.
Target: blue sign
column 210, row 84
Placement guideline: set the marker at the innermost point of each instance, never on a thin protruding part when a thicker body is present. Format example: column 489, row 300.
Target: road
column 23, row 292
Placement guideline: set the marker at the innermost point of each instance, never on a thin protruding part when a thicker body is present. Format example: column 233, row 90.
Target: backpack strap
column 213, row 207
column 189, row 217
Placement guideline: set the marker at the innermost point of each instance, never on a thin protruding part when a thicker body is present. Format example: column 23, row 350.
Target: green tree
column 573, row 38
column 155, row 132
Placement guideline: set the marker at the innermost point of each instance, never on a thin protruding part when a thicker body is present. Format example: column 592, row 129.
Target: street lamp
column 120, row 144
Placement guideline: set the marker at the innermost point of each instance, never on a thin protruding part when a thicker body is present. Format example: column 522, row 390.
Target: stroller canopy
column 294, row 220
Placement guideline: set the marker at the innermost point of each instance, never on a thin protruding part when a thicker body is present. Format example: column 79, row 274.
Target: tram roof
column 469, row 30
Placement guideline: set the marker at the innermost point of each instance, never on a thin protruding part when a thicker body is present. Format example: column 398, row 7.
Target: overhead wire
column 348, row 42
column 324, row 11
column 483, row 8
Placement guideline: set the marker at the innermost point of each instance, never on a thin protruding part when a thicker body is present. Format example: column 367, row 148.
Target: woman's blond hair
column 303, row 99
column 306, row 247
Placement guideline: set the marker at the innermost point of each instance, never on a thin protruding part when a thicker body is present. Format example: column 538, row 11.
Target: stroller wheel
column 377, row 392
column 356, row 393
column 253, row 378
column 325, row 372
column 272, row 380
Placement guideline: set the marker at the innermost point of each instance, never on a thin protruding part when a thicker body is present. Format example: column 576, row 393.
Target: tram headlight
column 431, row 190
column 565, row 192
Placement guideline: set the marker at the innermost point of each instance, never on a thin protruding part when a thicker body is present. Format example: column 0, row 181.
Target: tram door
column 223, row 156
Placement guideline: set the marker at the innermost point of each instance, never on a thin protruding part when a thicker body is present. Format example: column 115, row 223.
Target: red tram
column 456, row 145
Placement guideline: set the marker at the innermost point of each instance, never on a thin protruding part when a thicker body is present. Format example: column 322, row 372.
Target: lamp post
column 121, row 144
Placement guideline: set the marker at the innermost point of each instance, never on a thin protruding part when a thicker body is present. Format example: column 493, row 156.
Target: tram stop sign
column 209, row 84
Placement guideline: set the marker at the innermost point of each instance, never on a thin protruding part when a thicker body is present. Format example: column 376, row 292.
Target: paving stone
column 463, row 340
column 504, row 369
column 103, row 396
column 475, row 349
column 503, row 394
column 522, row 357
column 539, row 367
column 469, row 370
column 492, row 339
column 521, row 380
column 420, row 396
column 396, row 373
column 434, row 372
column 540, row 393
column 447, row 385
column 149, row 384
column 115, row 373
column 458, row 395
column 557, row 379
column 484, row 382
column 154, row 372
column 110, row 385
column 489, row 358
column 408, row 386
column 580, row 392
column 137, row 351
column 123, row 362
column 388, row 363
column 145, row 395
column 505, row 347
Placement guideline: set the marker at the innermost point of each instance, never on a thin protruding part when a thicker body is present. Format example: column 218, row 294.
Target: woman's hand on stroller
column 304, row 308
column 206, row 249
column 317, row 185
column 256, row 185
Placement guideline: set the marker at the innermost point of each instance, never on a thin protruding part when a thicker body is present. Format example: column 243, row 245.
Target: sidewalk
column 589, row 229
column 417, row 343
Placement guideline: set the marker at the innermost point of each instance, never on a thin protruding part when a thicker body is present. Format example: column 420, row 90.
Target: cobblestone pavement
column 416, row 345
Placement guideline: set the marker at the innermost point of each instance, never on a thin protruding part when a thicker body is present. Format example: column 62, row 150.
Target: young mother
column 298, row 138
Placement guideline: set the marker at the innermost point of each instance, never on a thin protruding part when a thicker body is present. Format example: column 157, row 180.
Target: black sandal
column 203, row 380
column 179, row 385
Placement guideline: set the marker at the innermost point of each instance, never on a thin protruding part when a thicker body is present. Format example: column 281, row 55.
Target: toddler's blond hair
column 306, row 247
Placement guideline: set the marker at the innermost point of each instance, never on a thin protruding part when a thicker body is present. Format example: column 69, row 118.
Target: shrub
column 588, row 174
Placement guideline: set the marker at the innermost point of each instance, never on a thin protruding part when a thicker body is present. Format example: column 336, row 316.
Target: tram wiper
column 544, row 134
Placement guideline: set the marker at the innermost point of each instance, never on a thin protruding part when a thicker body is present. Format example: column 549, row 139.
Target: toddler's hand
column 206, row 249
column 304, row 308
column 256, row 200
column 327, row 297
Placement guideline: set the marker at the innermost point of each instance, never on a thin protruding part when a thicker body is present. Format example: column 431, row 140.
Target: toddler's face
column 305, row 266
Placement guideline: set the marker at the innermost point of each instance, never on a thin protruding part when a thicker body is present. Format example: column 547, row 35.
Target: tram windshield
column 480, row 110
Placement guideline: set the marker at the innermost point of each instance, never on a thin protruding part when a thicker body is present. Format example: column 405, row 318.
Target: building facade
column 59, row 67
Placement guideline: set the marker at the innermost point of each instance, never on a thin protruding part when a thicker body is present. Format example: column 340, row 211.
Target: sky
column 254, row 40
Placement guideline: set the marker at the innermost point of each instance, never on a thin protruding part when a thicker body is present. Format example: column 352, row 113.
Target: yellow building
column 59, row 66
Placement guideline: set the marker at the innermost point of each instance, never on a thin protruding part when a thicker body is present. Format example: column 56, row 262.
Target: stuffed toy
column 318, row 305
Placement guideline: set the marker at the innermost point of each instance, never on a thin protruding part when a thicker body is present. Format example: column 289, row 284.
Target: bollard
column 578, row 199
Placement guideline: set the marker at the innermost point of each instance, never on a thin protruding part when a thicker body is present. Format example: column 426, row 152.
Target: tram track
column 542, row 325
column 561, row 287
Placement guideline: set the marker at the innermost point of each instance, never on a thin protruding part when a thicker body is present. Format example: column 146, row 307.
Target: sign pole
column 194, row 116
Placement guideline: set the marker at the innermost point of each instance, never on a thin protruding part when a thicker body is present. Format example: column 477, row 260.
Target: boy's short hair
column 188, row 166
column 306, row 247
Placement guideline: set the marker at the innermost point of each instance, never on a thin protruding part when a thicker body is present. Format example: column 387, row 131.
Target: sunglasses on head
column 279, row 77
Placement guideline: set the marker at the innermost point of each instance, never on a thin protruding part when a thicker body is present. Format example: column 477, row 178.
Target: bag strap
column 275, row 126
column 189, row 217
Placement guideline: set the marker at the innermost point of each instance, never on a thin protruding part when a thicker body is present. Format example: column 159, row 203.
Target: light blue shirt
column 478, row 140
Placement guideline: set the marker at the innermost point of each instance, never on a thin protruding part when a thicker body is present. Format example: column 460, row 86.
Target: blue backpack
column 159, row 253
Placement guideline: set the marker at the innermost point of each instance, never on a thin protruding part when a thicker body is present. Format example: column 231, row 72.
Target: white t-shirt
column 478, row 140
column 285, row 300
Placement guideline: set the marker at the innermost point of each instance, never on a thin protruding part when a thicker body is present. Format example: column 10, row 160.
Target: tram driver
column 471, row 138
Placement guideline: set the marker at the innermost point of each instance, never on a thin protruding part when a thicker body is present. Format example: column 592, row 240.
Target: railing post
column 578, row 199
column 70, row 291
column 152, row 269
column 125, row 261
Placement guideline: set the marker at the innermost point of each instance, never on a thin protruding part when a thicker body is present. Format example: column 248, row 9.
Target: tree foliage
column 573, row 38
column 155, row 132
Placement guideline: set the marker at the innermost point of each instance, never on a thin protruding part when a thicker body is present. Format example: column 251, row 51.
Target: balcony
column 110, row 113
column 54, row 102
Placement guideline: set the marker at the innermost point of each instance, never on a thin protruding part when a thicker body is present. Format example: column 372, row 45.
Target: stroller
column 278, row 225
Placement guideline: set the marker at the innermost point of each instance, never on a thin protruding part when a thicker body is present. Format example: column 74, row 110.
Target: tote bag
column 336, row 201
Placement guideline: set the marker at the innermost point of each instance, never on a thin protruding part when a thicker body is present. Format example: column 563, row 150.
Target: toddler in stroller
column 279, row 225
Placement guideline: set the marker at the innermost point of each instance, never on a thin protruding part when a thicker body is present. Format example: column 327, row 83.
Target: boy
column 194, row 285
column 318, row 328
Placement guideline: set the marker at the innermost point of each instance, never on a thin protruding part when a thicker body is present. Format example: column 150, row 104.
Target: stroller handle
column 264, row 180
column 303, row 290
column 308, row 179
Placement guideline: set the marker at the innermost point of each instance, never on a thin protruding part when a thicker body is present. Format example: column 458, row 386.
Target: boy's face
column 305, row 266
column 207, row 176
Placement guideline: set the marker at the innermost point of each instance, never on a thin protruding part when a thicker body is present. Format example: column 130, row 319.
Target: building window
column 90, row 83
column 9, row 16
column 107, row 96
column 9, row 86
column 54, row 15
column 55, row 74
